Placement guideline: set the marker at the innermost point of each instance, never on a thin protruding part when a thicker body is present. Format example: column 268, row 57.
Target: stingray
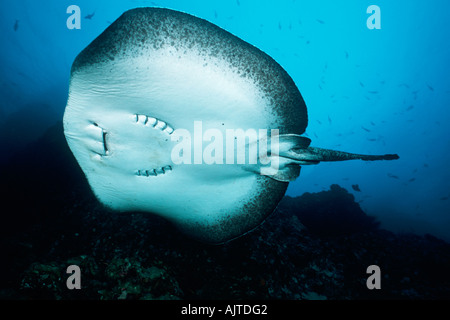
column 151, row 81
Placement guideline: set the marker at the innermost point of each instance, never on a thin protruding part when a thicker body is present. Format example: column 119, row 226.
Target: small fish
column 412, row 180
column 320, row 21
column 372, row 139
column 90, row 16
column 445, row 198
column 373, row 92
column 430, row 87
column 410, row 108
column 356, row 187
column 318, row 121
column 215, row 14
column 238, row 2
column 365, row 129
column 361, row 84
column 403, row 85
column 329, row 119
column 425, row 165
column 205, row 225
column 372, row 123
column 16, row 25
column 390, row 175
column 346, row 55
column 279, row 25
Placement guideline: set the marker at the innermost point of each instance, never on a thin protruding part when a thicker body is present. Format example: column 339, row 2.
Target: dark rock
column 316, row 246
column 330, row 213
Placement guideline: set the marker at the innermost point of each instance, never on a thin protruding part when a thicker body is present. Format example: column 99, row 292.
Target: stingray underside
column 159, row 68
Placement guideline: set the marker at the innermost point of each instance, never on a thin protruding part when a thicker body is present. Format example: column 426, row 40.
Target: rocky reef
column 316, row 246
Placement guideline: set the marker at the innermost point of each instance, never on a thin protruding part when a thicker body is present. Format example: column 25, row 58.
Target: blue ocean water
column 367, row 90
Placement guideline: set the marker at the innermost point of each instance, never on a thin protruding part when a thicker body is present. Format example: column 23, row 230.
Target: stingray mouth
column 100, row 136
column 157, row 124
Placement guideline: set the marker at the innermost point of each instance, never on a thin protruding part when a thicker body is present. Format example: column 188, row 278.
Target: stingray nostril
column 151, row 121
column 142, row 119
column 159, row 171
column 153, row 172
column 168, row 129
column 161, row 125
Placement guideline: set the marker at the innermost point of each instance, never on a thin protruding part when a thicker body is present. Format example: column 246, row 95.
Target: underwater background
column 372, row 91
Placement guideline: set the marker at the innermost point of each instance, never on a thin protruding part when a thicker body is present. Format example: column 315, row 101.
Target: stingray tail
column 315, row 155
column 290, row 151
column 297, row 149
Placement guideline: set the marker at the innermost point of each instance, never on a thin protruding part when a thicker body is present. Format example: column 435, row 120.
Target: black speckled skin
column 158, row 28
column 143, row 30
